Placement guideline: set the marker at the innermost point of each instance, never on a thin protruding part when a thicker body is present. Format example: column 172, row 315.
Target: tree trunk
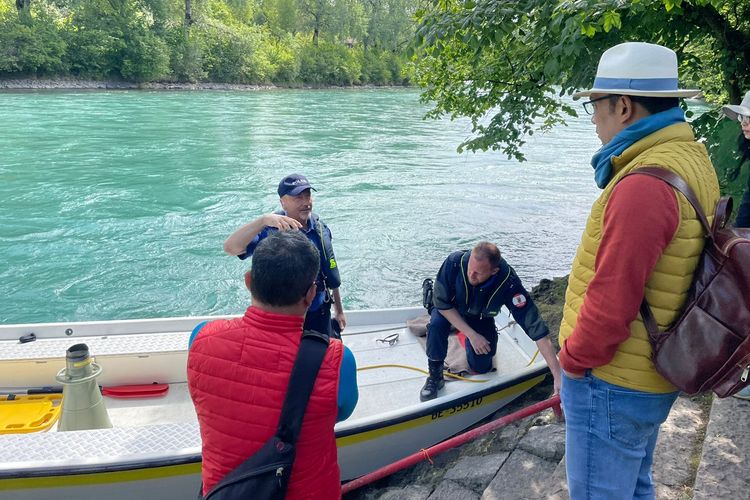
column 735, row 43
column 24, row 11
column 188, row 12
column 316, row 32
column 735, row 93
column 23, row 5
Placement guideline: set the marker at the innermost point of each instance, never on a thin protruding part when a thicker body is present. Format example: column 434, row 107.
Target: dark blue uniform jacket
column 453, row 290
column 320, row 236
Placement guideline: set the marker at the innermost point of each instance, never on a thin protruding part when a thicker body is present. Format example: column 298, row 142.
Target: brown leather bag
column 708, row 346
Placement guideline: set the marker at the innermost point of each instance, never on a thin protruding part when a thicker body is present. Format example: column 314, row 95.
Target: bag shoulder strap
column 650, row 322
column 310, row 356
column 680, row 185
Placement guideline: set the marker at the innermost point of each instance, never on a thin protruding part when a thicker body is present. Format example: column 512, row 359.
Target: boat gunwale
column 162, row 324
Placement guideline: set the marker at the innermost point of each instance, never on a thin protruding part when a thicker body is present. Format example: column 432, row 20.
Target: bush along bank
column 549, row 297
column 253, row 42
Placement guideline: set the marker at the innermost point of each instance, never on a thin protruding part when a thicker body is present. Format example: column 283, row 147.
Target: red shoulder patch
column 519, row 300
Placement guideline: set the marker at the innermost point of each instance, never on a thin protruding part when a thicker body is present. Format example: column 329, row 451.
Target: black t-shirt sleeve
column 444, row 292
column 524, row 311
column 743, row 213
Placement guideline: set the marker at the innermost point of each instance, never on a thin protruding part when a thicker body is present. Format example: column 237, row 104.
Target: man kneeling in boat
column 470, row 289
column 238, row 371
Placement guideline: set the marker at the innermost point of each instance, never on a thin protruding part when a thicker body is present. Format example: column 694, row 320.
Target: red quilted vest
column 238, row 371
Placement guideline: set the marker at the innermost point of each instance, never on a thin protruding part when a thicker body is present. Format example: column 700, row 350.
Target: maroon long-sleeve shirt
column 640, row 220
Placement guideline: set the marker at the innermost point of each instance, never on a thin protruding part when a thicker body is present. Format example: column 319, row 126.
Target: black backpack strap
column 310, row 356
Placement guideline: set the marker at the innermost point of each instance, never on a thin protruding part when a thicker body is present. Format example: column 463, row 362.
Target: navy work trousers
column 437, row 340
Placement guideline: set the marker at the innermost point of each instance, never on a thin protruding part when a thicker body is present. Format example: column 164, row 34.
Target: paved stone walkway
column 525, row 460
column 724, row 470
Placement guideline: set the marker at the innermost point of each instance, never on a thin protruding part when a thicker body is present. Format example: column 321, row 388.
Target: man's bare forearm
column 237, row 242
column 547, row 350
column 455, row 319
column 338, row 306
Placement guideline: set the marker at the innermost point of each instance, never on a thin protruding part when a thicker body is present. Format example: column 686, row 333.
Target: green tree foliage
column 31, row 47
column 507, row 64
column 145, row 57
column 315, row 16
column 281, row 16
column 387, row 27
column 722, row 143
column 287, row 42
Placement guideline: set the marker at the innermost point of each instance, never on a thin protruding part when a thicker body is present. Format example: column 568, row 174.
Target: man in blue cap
column 295, row 193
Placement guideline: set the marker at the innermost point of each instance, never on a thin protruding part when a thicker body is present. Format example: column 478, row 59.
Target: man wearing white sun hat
column 741, row 113
column 641, row 239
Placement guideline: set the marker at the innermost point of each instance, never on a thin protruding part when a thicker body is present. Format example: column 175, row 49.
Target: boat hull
column 167, row 482
column 151, row 459
column 365, row 450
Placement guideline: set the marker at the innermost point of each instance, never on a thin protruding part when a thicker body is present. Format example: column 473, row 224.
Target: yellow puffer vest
column 672, row 147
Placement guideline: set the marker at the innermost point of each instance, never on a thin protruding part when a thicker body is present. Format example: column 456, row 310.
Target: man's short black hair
column 284, row 266
column 484, row 250
column 652, row 104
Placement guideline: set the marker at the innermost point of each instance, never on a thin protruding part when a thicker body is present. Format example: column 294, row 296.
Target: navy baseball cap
column 293, row 185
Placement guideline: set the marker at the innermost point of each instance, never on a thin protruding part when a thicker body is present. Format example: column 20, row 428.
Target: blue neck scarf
column 602, row 159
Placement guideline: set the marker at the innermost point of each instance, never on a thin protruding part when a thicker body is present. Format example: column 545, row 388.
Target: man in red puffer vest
column 238, row 371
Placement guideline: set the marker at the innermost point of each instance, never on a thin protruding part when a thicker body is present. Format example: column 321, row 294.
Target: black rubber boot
column 434, row 382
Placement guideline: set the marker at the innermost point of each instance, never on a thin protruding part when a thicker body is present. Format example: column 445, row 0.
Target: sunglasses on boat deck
column 391, row 339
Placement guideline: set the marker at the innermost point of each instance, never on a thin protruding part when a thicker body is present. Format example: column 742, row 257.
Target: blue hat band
column 644, row 84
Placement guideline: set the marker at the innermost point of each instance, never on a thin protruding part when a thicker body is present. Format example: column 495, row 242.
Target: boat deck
column 114, row 345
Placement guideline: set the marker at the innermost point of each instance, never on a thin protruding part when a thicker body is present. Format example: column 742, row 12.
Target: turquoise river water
column 115, row 205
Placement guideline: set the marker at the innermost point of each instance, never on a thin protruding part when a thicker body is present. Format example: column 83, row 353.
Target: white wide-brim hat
column 732, row 110
column 638, row 69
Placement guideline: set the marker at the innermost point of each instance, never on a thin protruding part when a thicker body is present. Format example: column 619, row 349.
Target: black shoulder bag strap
column 680, row 185
column 310, row 356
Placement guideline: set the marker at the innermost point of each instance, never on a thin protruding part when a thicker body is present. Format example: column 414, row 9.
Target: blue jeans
column 437, row 340
column 610, row 435
column 744, row 393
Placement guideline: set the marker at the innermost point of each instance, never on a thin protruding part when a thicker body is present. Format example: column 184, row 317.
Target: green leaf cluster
column 511, row 65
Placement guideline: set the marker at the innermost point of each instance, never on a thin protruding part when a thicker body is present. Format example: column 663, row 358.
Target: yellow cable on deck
column 533, row 358
column 445, row 372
